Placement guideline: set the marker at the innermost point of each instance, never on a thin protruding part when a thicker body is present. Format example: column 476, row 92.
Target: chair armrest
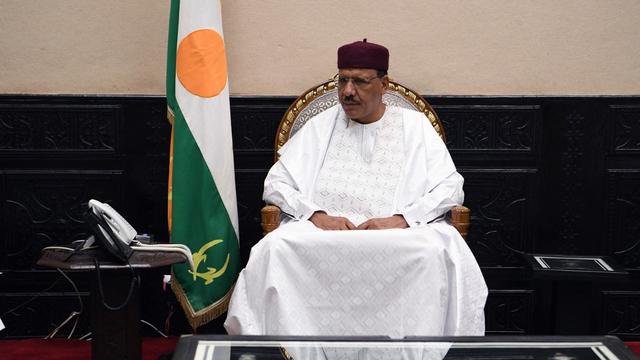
column 460, row 219
column 270, row 218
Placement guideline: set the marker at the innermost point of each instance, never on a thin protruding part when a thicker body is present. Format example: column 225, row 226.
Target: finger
column 330, row 226
column 344, row 224
column 350, row 225
column 375, row 225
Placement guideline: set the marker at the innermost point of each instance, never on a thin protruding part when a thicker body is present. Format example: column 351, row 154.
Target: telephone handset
column 118, row 237
column 112, row 231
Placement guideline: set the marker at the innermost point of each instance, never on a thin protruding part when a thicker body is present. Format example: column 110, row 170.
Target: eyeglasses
column 358, row 82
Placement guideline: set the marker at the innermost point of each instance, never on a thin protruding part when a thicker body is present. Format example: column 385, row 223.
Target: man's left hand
column 391, row 222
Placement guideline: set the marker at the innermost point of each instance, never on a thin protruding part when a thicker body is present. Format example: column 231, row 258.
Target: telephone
column 119, row 238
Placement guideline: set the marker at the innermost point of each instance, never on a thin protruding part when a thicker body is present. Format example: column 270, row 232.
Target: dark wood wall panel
column 623, row 220
column 255, row 121
column 249, row 205
column 622, row 227
column 491, row 128
column 542, row 174
column 575, row 178
column 33, row 303
column 502, row 203
column 621, row 313
column 39, row 318
column 58, row 129
column 511, row 312
column 44, row 208
column 626, row 129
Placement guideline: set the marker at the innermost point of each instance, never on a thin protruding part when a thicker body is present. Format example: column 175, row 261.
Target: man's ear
column 385, row 82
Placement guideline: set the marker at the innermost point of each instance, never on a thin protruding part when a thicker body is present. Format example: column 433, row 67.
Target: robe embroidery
column 362, row 169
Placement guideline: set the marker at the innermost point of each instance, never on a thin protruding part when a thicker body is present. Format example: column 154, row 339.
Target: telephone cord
column 135, row 280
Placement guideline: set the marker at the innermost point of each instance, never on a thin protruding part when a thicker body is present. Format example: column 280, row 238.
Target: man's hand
column 327, row 222
column 391, row 222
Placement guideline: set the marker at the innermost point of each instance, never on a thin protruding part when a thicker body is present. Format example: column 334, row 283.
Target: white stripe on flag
column 209, row 119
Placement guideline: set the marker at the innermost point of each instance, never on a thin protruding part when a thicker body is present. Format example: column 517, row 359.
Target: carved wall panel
column 155, row 128
column 501, row 204
column 623, row 209
column 489, row 128
column 44, row 208
column 626, row 134
column 571, row 157
column 146, row 166
column 254, row 127
column 621, row 314
column 37, row 319
column 249, row 205
column 509, row 312
column 28, row 298
column 64, row 128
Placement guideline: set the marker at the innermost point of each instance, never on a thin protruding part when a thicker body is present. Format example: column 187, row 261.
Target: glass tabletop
column 216, row 347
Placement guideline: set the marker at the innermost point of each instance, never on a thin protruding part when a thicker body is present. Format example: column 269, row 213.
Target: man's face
column 360, row 93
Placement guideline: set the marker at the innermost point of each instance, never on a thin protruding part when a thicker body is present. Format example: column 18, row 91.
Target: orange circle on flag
column 201, row 63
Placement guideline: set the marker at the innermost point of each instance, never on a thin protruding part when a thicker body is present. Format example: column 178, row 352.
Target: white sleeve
column 437, row 202
column 280, row 189
column 289, row 182
column 443, row 186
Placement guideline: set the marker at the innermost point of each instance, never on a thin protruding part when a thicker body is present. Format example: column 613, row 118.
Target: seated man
column 384, row 175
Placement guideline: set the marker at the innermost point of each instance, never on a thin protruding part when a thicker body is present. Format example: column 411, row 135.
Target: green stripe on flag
column 200, row 218
column 172, row 46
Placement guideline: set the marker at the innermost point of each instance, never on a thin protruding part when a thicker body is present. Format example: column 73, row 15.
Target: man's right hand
column 327, row 222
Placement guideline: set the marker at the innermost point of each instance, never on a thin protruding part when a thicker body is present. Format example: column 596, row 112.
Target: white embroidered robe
column 301, row 280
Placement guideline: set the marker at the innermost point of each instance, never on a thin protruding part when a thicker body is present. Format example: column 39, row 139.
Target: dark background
column 542, row 175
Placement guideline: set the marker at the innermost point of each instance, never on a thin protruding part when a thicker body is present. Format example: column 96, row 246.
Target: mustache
column 349, row 100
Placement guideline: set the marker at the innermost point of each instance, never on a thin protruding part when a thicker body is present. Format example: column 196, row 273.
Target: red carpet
column 634, row 346
column 63, row 349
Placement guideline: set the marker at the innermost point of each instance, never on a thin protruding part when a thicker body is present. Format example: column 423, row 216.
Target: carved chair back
column 321, row 97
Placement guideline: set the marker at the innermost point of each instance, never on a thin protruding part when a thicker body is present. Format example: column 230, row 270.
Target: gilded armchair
column 324, row 96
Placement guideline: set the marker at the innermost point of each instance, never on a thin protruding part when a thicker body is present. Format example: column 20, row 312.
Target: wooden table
column 116, row 331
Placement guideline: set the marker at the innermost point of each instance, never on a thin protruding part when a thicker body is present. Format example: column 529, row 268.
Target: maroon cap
column 363, row 54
